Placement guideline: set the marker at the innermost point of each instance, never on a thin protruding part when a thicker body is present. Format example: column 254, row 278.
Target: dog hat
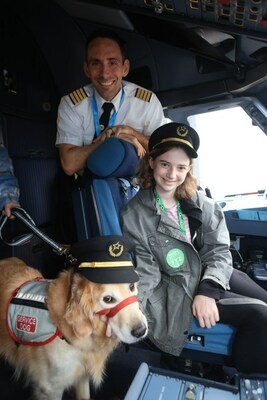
column 175, row 134
column 105, row 259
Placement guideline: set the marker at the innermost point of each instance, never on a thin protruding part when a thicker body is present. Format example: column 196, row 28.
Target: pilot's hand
column 205, row 310
column 138, row 147
column 107, row 133
column 123, row 132
column 115, row 131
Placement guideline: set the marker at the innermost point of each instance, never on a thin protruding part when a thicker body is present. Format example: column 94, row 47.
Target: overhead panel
column 246, row 14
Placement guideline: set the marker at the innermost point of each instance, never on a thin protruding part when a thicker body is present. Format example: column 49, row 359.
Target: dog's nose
column 139, row 331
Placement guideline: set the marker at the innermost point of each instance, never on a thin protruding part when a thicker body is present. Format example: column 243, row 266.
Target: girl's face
column 170, row 169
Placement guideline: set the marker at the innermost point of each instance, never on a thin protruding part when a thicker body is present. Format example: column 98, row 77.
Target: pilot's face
column 105, row 67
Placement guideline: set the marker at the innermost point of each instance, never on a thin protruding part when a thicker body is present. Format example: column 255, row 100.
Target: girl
column 183, row 257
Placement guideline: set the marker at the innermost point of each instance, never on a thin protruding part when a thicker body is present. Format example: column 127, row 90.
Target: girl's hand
column 205, row 310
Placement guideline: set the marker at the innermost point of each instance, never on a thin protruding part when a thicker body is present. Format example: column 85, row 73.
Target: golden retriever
column 73, row 303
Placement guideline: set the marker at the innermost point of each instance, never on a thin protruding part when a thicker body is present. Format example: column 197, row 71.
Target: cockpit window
column 232, row 155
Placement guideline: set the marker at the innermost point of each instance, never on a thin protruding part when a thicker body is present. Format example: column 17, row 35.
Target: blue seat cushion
column 217, row 339
column 113, row 158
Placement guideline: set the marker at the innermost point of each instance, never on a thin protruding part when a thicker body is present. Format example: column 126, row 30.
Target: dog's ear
column 78, row 313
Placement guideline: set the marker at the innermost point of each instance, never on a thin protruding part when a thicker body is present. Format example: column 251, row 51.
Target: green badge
column 175, row 258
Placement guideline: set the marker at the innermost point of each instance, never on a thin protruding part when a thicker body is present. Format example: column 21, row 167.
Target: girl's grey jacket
column 171, row 268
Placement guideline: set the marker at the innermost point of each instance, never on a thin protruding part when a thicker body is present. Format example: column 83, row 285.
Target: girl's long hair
column 146, row 179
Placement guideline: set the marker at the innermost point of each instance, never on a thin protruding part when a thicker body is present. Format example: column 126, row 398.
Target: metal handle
column 23, row 216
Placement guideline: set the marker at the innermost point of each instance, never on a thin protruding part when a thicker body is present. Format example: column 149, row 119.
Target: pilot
column 183, row 257
column 132, row 112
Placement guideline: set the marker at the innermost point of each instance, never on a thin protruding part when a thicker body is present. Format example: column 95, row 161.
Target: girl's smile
column 169, row 170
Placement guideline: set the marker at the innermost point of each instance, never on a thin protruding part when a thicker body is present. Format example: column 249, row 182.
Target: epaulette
column 78, row 95
column 143, row 94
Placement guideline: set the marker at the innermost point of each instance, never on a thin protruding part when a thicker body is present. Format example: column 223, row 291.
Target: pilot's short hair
column 106, row 34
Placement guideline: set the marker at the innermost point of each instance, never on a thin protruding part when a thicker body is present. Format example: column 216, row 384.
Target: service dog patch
column 28, row 317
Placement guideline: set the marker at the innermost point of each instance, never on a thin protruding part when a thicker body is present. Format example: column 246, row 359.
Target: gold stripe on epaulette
column 143, row 94
column 78, row 95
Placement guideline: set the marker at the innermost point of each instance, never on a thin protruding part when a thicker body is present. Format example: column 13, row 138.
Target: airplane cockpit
column 206, row 61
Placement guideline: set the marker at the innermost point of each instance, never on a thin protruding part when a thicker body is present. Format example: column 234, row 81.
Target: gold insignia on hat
column 143, row 94
column 182, row 130
column 116, row 249
column 77, row 96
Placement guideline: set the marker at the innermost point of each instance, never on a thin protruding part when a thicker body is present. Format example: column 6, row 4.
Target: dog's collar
column 111, row 312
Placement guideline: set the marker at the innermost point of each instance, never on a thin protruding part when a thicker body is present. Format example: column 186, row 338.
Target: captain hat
column 177, row 134
column 105, row 259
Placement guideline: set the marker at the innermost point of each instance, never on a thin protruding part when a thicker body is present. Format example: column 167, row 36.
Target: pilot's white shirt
column 140, row 109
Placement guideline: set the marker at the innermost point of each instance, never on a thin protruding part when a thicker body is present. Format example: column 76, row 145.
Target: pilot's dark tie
column 104, row 119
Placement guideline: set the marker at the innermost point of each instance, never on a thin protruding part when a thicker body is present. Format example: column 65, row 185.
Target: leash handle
column 20, row 239
column 23, row 216
column 27, row 220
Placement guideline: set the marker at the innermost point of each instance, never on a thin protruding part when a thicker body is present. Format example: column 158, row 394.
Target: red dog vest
column 28, row 318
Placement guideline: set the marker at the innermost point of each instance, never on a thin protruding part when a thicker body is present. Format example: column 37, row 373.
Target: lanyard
column 179, row 211
column 113, row 117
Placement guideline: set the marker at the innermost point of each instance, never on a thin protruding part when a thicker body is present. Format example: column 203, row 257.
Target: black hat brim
column 109, row 275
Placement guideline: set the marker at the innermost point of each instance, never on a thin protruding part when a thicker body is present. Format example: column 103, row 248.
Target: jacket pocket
column 168, row 311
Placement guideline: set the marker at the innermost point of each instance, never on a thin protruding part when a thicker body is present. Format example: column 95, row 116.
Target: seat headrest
column 113, row 158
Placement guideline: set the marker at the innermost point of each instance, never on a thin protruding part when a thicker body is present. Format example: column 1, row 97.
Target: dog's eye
column 132, row 287
column 109, row 299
